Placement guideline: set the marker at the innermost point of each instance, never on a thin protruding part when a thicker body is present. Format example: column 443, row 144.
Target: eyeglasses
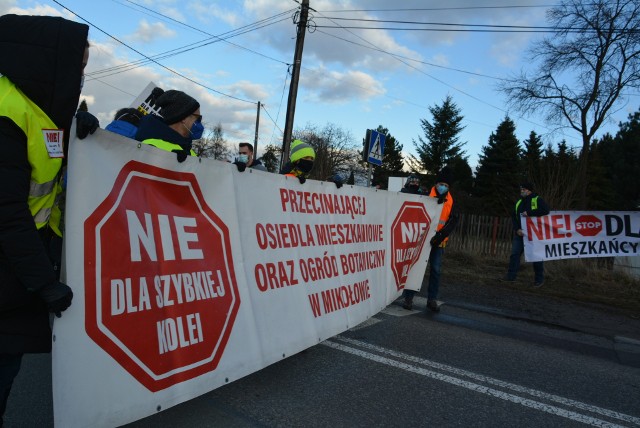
column 198, row 117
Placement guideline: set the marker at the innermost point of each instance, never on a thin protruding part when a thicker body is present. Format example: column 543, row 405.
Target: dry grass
column 587, row 280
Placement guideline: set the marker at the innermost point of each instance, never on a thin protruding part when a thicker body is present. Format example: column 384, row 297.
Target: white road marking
column 371, row 321
column 483, row 389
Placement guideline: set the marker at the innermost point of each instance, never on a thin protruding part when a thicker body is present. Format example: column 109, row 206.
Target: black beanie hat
column 527, row 185
column 176, row 105
column 445, row 176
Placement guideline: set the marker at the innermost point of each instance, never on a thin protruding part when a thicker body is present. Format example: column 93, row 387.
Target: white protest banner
column 187, row 276
column 581, row 234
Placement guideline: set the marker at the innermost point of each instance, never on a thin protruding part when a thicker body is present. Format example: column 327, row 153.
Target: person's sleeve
column 543, row 208
column 19, row 239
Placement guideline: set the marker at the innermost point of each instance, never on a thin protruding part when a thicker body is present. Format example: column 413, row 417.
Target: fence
column 482, row 235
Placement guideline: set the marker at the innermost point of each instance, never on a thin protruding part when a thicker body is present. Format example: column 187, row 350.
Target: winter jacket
column 257, row 165
column 448, row 217
column 43, row 57
column 533, row 204
column 153, row 131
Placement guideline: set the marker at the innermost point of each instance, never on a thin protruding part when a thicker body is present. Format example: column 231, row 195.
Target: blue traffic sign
column 376, row 147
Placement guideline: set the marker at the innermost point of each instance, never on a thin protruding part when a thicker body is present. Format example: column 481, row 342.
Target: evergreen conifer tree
column 498, row 174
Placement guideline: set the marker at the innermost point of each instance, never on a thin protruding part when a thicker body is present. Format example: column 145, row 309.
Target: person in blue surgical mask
column 246, row 156
column 178, row 124
column 446, row 224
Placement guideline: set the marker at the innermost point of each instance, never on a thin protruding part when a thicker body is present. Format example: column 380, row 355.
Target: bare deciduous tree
column 583, row 68
column 212, row 144
column 336, row 150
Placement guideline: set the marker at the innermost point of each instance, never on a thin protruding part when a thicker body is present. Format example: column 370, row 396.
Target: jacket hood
column 42, row 55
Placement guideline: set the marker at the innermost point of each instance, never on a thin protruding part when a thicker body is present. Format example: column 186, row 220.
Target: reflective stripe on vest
column 165, row 145
column 44, row 187
column 534, row 204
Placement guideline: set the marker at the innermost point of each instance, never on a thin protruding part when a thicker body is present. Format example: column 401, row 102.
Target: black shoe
column 407, row 304
column 538, row 284
column 507, row 279
column 432, row 305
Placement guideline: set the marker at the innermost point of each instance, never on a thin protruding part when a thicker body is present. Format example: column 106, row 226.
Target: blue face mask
column 196, row 130
column 441, row 189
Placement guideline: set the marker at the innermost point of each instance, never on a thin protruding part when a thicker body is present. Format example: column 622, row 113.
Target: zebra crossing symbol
column 376, row 148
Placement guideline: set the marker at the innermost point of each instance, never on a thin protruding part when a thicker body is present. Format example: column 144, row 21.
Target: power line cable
column 411, row 59
column 212, row 39
column 438, row 80
column 275, row 122
column 152, row 60
column 432, row 9
column 139, row 63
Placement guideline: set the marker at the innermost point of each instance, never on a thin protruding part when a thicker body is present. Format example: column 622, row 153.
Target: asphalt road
column 461, row 367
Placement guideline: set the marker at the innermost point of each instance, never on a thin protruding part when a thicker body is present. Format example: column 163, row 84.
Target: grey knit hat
column 176, row 105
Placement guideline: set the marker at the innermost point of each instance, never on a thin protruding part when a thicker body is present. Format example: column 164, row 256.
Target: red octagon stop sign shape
column 161, row 296
column 588, row 225
column 408, row 234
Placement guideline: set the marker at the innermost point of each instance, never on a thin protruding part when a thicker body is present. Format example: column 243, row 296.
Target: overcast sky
column 352, row 78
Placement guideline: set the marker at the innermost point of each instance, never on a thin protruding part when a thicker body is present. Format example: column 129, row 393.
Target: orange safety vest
column 446, row 211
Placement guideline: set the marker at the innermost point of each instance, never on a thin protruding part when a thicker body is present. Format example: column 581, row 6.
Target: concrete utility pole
column 255, row 138
column 295, row 77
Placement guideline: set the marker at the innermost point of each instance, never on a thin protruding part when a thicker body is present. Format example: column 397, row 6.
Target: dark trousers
column 435, row 270
column 9, row 368
column 517, row 248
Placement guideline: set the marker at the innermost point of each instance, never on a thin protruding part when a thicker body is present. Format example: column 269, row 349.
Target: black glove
column 301, row 179
column 240, row 165
column 337, row 180
column 441, row 199
column 86, row 124
column 57, row 295
column 437, row 239
column 181, row 154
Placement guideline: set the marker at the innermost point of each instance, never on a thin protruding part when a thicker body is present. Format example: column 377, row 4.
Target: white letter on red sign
column 117, row 297
column 185, row 237
column 138, row 234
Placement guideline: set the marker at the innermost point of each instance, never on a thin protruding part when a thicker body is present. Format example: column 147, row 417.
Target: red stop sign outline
column 133, row 339
column 588, row 219
column 416, row 213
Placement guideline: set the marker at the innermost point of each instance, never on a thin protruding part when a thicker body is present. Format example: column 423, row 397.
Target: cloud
column 210, row 12
column 335, row 87
column 9, row 6
column 147, row 33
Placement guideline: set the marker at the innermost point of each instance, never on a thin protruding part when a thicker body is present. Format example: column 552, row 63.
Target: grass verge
column 588, row 281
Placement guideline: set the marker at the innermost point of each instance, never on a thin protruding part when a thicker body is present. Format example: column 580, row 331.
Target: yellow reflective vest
column 164, row 145
column 45, row 186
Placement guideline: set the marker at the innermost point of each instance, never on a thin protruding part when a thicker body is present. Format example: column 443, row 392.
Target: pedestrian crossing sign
column 376, row 147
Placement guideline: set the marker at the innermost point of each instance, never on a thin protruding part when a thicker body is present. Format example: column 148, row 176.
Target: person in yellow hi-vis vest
column 42, row 62
column 179, row 123
column 529, row 205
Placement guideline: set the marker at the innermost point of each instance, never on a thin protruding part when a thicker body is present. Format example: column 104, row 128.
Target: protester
column 246, row 156
column 41, row 67
column 412, row 185
column 529, row 205
column 179, row 123
column 125, row 122
column 446, row 224
column 300, row 164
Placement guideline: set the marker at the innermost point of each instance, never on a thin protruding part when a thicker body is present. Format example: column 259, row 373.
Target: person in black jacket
column 42, row 62
column 529, row 205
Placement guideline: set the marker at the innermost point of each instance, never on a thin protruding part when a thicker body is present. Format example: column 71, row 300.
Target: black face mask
column 304, row 165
